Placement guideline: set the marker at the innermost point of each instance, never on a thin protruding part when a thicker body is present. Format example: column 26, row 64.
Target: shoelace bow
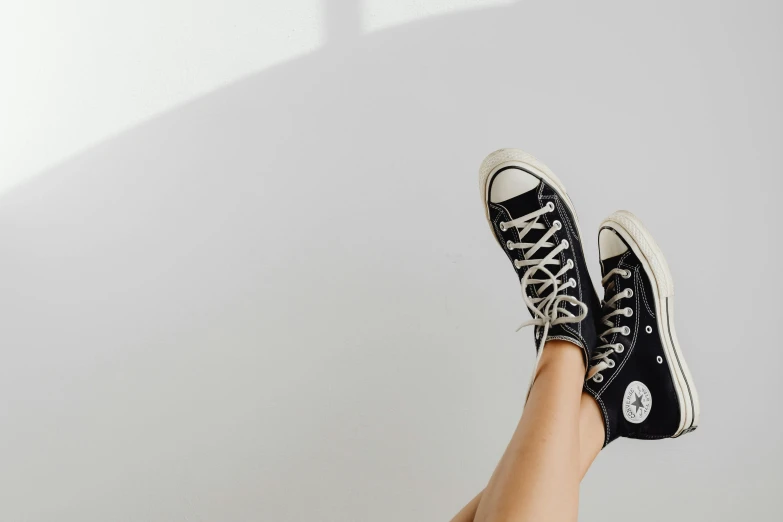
column 546, row 310
column 606, row 350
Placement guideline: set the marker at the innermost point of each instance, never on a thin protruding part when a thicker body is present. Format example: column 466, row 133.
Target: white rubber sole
column 631, row 229
column 503, row 158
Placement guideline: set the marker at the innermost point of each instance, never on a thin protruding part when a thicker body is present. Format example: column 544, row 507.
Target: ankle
column 562, row 357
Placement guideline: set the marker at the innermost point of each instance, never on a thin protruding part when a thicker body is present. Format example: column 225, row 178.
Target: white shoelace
column 546, row 310
column 604, row 352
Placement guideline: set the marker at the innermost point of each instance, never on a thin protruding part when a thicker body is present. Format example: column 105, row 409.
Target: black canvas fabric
column 582, row 333
column 642, row 360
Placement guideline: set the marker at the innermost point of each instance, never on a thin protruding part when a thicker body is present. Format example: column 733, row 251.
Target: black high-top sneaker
column 534, row 222
column 638, row 374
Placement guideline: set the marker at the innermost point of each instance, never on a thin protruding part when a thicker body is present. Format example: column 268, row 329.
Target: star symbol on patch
column 637, row 402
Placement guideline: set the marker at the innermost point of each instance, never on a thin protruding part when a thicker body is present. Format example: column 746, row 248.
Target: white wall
column 245, row 274
column 75, row 73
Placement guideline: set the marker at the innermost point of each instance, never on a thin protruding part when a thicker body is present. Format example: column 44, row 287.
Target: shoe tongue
column 522, row 205
column 610, row 263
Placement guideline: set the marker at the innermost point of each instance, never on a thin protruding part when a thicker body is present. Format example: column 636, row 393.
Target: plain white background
column 246, row 274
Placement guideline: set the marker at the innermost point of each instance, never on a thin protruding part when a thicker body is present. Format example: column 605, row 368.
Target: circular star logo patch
column 637, row 402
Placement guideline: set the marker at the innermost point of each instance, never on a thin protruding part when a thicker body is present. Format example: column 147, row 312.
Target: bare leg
column 591, row 433
column 559, row 435
column 468, row 513
column 591, row 439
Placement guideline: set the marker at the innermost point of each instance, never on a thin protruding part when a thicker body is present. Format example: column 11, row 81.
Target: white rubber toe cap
column 511, row 183
column 610, row 244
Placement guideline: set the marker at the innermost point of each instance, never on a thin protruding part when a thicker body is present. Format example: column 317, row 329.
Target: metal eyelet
column 628, row 292
column 626, row 274
column 598, row 377
column 626, row 331
column 628, row 312
column 550, row 206
column 502, row 226
column 570, row 264
column 610, row 363
column 572, row 282
column 619, row 348
column 659, row 359
column 565, row 244
column 516, row 265
column 648, row 329
column 557, row 224
column 510, row 244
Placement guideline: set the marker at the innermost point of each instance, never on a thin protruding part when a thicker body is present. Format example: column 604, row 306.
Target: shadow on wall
column 239, row 309
column 214, row 315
